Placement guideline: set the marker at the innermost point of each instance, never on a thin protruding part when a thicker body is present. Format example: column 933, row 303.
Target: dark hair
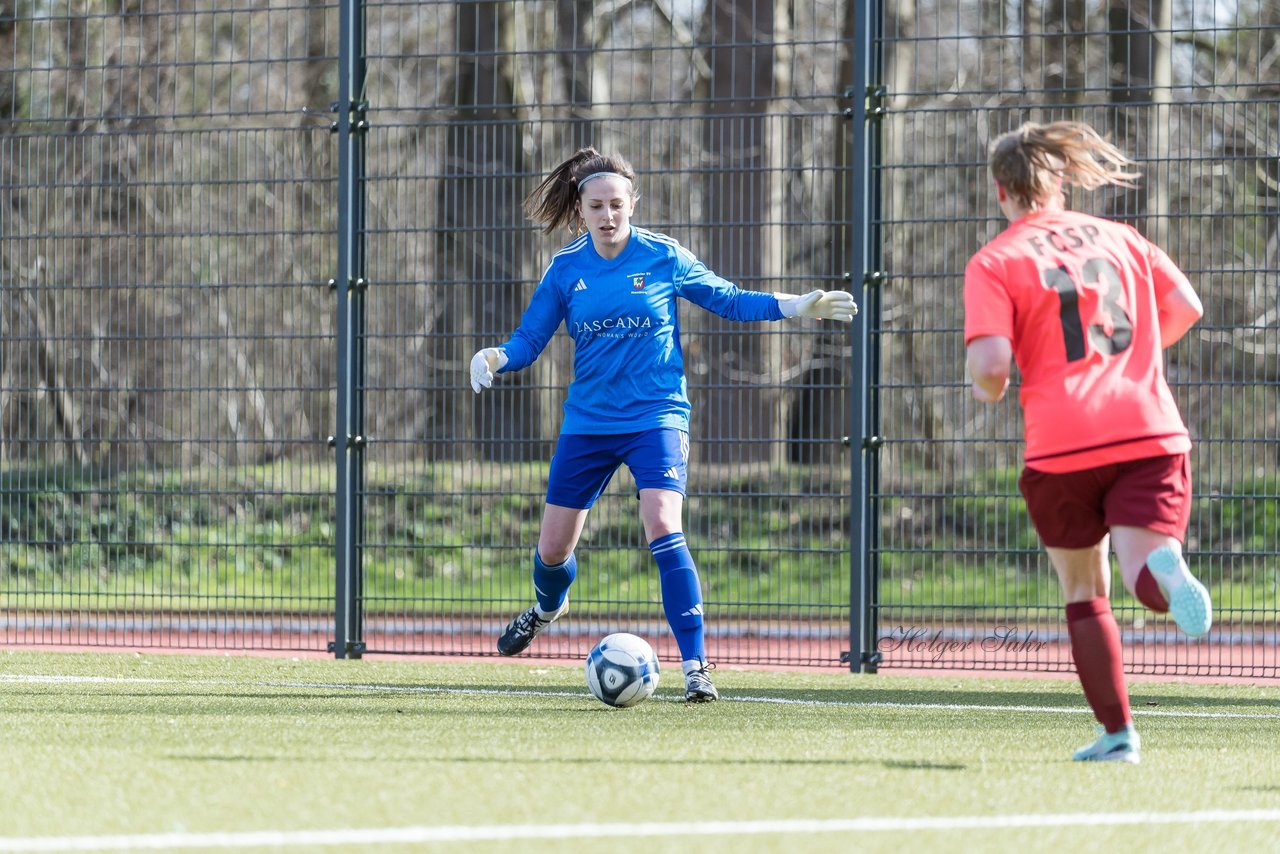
column 553, row 203
column 1028, row 161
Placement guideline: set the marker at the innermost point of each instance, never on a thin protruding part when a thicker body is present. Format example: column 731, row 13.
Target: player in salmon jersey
column 1086, row 306
column 614, row 289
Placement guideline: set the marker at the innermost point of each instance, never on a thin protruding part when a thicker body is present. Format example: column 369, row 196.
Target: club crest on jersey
column 637, row 281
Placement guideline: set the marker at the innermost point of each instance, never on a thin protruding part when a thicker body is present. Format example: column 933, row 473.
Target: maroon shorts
column 1074, row 510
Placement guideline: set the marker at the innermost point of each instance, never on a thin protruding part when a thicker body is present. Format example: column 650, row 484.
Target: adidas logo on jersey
column 671, row 473
column 581, row 286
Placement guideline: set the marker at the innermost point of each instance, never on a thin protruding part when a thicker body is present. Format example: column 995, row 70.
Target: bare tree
column 479, row 209
column 820, row 403
column 738, row 35
column 575, row 44
column 1061, row 49
column 1139, row 73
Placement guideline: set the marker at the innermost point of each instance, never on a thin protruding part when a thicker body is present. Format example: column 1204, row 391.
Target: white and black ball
column 622, row 670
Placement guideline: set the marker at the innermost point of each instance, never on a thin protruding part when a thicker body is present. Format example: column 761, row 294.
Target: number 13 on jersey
column 1102, row 273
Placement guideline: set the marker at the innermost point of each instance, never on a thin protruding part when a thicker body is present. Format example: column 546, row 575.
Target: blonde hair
column 1029, row 161
column 553, row 203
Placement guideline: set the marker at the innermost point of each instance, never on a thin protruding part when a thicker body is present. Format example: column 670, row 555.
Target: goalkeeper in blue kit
column 614, row 289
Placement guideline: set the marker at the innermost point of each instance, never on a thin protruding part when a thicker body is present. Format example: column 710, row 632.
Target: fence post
column 351, row 127
column 865, row 278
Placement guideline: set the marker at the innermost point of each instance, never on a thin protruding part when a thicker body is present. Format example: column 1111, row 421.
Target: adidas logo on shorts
column 671, row 473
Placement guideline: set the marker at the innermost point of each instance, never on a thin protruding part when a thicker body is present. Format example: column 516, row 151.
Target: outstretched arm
column 696, row 283
column 541, row 318
column 989, row 360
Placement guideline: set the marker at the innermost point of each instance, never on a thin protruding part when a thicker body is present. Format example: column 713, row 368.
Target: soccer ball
column 622, row 670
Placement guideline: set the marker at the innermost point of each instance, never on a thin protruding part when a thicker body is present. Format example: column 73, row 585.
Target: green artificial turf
column 120, row 743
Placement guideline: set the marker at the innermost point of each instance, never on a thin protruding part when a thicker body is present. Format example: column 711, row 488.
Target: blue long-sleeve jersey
column 628, row 369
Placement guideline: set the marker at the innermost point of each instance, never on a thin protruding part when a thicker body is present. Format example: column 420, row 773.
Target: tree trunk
column 819, row 409
column 480, row 223
column 574, row 34
column 739, row 37
column 1139, row 73
column 1061, row 48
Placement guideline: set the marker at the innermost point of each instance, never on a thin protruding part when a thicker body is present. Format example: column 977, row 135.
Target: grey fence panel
column 1188, row 90
column 731, row 116
column 166, row 334
column 169, row 365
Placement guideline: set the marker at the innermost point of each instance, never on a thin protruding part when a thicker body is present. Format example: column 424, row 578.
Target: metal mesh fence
column 179, row 336
column 166, row 348
column 1186, row 89
column 729, row 115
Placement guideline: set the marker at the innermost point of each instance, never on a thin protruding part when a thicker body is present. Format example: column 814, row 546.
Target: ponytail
column 553, row 203
column 1030, row 161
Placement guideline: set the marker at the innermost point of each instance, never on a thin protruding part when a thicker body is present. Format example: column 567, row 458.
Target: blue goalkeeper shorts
column 583, row 465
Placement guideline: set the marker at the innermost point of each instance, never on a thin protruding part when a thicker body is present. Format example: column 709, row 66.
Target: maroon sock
column 1095, row 647
column 1147, row 591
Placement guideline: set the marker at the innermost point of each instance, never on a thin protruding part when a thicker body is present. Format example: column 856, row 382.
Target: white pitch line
column 38, row 678
column 526, row 692
column 474, row 833
column 975, row 707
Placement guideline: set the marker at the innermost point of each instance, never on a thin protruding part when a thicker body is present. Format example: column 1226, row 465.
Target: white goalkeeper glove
column 484, row 365
column 819, row 305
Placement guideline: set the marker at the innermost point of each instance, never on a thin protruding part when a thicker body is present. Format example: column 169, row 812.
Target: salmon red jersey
column 1077, row 296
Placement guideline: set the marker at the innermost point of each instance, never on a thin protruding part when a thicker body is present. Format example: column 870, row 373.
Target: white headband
column 583, row 181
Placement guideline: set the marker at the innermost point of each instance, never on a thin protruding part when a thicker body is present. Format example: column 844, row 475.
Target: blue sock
column 551, row 583
column 681, row 594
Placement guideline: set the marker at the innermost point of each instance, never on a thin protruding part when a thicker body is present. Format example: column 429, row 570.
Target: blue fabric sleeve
column 702, row 287
column 545, row 313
